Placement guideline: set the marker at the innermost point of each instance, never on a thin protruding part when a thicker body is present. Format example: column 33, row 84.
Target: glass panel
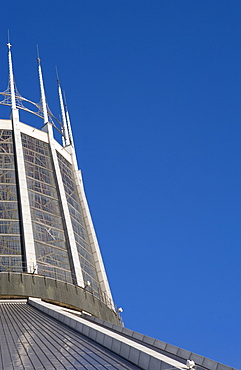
column 13, row 264
column 49, row 235
column 6, row 161
column 9, row 227
column 9, row 210
column 79, row 227
column 51, row 256
column 41, row 187
column 7, row 176
column 51, row 249
column 40, row 201
column 8, row 192
column 10, row 242
column 46, row 218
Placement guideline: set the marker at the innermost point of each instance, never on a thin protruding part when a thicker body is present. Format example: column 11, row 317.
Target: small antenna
column 8, row 44
column 57, row 75
column 65, row 100
column 38, row 57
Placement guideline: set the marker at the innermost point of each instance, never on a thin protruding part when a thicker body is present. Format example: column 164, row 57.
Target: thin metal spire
column 42, row 91
column 68, row 121
column 65, row 128
column 11, row 79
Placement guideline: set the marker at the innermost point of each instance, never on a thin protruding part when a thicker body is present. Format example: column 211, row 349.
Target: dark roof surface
column 29, row 339
column 41, row 335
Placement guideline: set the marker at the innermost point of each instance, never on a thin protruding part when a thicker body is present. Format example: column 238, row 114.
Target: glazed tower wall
column 52, row 225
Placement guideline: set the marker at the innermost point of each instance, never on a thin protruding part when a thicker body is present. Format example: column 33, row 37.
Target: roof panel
column 32, row 340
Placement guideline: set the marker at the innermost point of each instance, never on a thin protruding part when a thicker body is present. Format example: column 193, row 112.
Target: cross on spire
column 11, row 78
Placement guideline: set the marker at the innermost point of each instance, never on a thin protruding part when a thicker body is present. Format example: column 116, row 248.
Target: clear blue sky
column 154, row 93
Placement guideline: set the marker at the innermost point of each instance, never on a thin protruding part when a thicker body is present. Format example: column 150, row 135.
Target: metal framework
column 19, row 104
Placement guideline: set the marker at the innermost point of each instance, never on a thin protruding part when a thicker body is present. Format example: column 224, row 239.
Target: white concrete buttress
column 69, row 232
column 100, row 269
column 25, row 215
column 99, row 265
column 66, row 215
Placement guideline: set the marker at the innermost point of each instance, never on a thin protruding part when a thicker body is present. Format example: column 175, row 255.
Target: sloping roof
column 40, row 335
column 32, row 340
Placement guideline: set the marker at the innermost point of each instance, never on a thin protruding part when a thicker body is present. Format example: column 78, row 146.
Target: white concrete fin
column 27, row 228
column 66, row 216
column 99, row 264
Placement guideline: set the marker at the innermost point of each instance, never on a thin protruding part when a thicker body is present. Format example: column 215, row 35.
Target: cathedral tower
column 47, row 238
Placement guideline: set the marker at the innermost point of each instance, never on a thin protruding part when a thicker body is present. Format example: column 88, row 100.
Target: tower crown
column 12, row 98
column 46, row 230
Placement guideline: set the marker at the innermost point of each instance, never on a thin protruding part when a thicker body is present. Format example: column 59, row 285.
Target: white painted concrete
column 66, row 215
column 101, row 273
column 24, row 199
column 137, row 353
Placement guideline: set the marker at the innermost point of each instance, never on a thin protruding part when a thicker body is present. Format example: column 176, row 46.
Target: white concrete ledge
column 160, row 345
column 126, row 343
column 130, row 350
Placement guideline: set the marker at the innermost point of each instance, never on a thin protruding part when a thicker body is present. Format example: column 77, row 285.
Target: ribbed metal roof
column 38, row 335
column 30, row 339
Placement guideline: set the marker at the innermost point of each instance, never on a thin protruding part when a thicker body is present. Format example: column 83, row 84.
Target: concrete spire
column 42, row 91
column 68, row 122
column 11, row 79
column 66, row 140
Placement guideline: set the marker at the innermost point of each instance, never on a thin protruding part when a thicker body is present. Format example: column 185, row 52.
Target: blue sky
column 154, row 93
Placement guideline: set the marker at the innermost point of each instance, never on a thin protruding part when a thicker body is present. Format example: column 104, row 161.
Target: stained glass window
column 10, row 243
column 79, row 227
column 50, row 244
